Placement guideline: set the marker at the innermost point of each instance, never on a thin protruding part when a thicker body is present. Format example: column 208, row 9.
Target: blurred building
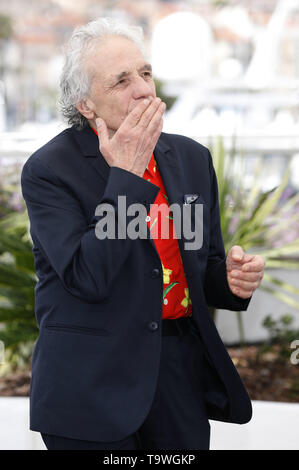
column 31, row 58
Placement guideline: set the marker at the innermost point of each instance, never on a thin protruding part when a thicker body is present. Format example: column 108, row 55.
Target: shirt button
column 153, row 326
column 148, row 218
column 165, row 301
column 155, row 273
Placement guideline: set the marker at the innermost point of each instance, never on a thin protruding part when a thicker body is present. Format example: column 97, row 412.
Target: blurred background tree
column 168, row 100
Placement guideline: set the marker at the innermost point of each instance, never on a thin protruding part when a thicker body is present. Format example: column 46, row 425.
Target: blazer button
column 155, row 273
column 153, row 326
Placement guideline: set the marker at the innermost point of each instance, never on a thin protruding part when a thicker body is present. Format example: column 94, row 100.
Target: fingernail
column 146, row 101
column 235, row 273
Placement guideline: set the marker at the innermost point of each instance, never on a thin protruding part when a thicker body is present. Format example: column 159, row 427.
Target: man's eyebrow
column 120, row 76
column 146, row 67
column 124, row 74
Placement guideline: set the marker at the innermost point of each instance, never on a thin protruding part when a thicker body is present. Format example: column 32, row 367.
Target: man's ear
column 85, row 107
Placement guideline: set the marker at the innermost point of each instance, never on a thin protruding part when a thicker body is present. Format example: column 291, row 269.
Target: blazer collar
column 87, row 141
column 165, row 157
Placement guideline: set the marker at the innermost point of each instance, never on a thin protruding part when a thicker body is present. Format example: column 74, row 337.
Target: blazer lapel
column 169, row 168
column 89, row 143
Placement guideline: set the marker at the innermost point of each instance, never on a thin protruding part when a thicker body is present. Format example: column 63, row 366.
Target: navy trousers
column 178, row 416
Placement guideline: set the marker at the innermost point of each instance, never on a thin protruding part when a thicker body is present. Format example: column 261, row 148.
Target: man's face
column 121, row 77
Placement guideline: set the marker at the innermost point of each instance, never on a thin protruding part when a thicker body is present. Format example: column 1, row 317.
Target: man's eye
column 122, row 81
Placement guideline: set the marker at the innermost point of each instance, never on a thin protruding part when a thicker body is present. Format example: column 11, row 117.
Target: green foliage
column 281, row 332
column 18, row 329
column 259, row 221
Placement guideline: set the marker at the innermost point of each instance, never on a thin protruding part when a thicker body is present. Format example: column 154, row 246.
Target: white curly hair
column 75, row 80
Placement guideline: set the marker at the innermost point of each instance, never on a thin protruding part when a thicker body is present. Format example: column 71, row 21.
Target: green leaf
column 168, row 288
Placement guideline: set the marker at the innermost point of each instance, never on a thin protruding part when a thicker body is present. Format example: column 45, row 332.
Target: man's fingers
column 134, row 116
column 244, row 294
column 244, row 272
column 256, row 265
column 245, row 276
column 237, row 257
column 244, row 285
column 157, row 119
column 155, row 134
column 234, row 258
column 247, row 258
column 152, row 115
column 237, row 253
column 151, row 125
column 143, row 114
column 102, row 132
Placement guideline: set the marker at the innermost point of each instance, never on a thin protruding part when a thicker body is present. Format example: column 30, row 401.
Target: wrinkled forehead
column 112, row 55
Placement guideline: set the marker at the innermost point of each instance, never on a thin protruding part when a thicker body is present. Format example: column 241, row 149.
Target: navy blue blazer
column 96, row 360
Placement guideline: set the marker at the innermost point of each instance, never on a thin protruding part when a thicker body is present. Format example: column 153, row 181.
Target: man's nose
column 142, row 88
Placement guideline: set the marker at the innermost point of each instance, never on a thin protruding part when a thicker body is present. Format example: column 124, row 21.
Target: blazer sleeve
column 217, row 291
column 85, row 264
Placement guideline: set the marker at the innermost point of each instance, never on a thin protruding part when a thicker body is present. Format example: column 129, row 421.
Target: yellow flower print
column 154, row 167
column 166, row 275
column 186, row 301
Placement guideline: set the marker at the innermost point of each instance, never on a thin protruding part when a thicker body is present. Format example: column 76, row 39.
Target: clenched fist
column 244, row 272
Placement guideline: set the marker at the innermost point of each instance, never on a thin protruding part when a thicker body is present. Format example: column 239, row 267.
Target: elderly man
column 128, row 356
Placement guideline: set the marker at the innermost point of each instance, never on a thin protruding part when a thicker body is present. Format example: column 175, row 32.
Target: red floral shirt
column 176, row 299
